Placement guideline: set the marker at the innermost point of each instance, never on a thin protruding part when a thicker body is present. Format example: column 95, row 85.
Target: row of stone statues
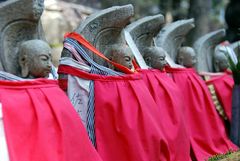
column 152, row 45
column 127, row 116
column 150, row 41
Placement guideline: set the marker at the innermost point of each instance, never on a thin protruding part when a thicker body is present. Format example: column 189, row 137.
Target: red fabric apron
column 41, row 124
column 223, row 86
column 207, row 131
column 127, row 124
column 167, row 95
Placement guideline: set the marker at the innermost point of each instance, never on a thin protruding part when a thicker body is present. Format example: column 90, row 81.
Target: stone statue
column 220, row 60
column 139, row 36
column 155, row 57
column 34, row 59
column 103, row 29
column 205, row 47
column 186, row 57
column 121, row 55
column 172, row 36
column 20, row 21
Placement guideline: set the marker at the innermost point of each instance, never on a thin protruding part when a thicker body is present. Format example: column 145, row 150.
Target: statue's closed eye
column 44, row 57
column 127, row 58
column 161, row 58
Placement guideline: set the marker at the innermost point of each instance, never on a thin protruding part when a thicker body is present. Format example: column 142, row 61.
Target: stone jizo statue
column 220, row 60
column 20, row 21
column 155, row 57
column 34, row 59
column 120, row 54
column 186, row 57
column 204, row 47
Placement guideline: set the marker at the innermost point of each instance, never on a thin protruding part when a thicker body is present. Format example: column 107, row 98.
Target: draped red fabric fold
column 169, row 99
column 41, row 124
column 223, row 85
column 126, row 118
column 207, row 131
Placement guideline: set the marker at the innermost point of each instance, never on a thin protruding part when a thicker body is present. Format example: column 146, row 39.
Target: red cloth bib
column 126, row 118
column 207, row 131
column 41, row 124
column 169, row 99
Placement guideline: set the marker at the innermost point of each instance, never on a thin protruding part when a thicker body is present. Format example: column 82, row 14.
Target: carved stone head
column 34, row 59
column 186, row 57
column 220, row 61
column 155, row 57
column 121, row 54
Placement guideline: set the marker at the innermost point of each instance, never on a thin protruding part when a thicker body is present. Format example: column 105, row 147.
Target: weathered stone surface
column 220, row 60
column 104, row 27
column 145, row 29
column 205, row 47
column 186, row 57
column 34, row 58
column 120, row 54
column 20, row 21
column 171, row 37
column 142, row 33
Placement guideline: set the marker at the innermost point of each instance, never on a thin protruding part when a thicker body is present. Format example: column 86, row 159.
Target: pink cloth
column 167, row 95
column 207, row 130
column 41, row 124
column 127, row 122
column 223, row 85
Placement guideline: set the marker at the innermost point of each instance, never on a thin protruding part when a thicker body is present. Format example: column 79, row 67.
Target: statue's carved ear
column 148, row 60
column 24, row 65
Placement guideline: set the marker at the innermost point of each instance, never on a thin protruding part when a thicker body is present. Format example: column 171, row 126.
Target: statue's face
column 158, row 60
column 186, row 57
column 40, row 65
column 220, row 60
column 190, row 60
column 155, row 57
column 221, row 63
column 125, row 58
